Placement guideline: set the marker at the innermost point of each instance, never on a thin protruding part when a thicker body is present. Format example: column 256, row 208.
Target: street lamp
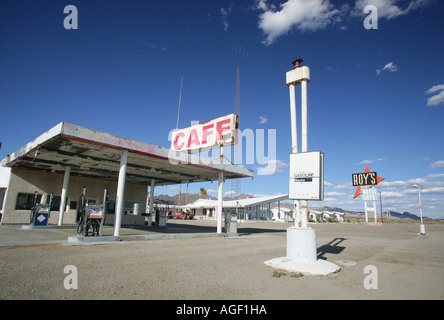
column 421, row 226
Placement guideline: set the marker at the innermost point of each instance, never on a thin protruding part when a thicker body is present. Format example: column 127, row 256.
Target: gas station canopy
column 95, row 154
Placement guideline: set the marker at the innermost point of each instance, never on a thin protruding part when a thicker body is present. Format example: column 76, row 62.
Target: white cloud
column 437, row 164
column 436, row 176
column 225, row 13
column 372, row 161
column 390, row 67
column 439, row 190
column 432, row 190
column 392, row 194
column 394, row 184
column 438, row 98
column 332, row 194
column 389, row 9
column 330, row 200
column 313, row 15
column 272, row 166
column 262, row 120
column 346, row 186
column 304, row 15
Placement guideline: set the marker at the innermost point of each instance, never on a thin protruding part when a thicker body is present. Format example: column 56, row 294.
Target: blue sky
column 376, row 96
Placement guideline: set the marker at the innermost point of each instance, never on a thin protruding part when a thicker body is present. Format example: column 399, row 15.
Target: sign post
column 366, row 183
column 369, row 194
column 305, row 183
column 301, row 240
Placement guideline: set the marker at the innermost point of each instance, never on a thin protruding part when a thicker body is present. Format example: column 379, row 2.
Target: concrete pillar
column 153, row 183
column 294, row 143
column 63, row 196
column 304, row 115
column 301, row 244
column 304, row 203
column 294, row 134
column 220, row 192
column 120, row 201
column 219, row 202
column 150, row 203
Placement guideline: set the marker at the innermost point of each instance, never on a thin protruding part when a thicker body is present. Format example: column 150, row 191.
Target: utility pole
column 421, row 226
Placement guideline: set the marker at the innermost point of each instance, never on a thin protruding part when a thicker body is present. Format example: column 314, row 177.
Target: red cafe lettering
column 206, row 135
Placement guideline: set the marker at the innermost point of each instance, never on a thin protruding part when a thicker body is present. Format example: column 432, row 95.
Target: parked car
column 184, row 215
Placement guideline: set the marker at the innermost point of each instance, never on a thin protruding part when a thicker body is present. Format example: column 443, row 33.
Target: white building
column 323, row 216
column 282, row 214
column 315, row 216
column 248, row 209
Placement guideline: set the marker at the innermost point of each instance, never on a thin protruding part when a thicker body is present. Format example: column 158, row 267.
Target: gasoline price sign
column 306, row 176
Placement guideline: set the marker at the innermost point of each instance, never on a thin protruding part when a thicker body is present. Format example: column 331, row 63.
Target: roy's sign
column 365, row 179
column 206, row 135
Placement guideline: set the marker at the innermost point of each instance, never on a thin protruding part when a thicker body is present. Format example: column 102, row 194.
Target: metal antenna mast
column 177, row 127
column 235, row 183
column 178, row 109
column 237, row 92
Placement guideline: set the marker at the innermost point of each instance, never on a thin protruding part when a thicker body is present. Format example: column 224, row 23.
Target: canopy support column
column 63, row 196
column 120, row 193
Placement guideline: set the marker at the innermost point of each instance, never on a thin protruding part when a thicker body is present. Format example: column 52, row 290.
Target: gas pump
column 91, row 216
column 161, row 215
column 231, row 222
column 40, row 212
column 157, row 212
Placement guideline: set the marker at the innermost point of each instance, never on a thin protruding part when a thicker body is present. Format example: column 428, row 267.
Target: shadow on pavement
column 332, row 247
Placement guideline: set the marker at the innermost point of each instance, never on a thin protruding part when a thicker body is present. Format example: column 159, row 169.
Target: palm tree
column 203, row 193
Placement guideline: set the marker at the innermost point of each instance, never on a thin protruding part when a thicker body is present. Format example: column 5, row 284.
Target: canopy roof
column 96, row 154
column 241, row 203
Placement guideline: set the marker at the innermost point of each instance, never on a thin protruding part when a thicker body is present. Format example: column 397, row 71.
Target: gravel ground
column 409, row 266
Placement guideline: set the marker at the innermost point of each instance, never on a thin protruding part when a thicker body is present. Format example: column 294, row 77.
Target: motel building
column 324, row 216
column 68, row 157
column 246, row 209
